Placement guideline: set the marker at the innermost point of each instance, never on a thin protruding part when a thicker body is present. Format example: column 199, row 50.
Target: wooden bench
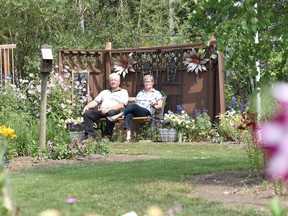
column 159, row 114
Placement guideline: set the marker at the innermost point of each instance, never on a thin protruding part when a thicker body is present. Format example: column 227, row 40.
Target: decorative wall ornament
column 146, row 62
column 195, row 61
column 123, row 63
column 81, row 61
column 172, row 67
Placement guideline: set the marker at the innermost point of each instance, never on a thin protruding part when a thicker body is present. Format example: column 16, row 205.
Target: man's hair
column 114, row 76
column 148, row 77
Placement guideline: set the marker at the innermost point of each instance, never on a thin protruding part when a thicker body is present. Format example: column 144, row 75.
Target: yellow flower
column 7, row 132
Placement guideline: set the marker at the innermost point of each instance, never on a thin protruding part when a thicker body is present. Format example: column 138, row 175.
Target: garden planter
column 180, row 136
column 78, row 135
column 168, row 135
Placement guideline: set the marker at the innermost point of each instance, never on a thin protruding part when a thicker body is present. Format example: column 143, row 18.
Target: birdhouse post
column 45, row 69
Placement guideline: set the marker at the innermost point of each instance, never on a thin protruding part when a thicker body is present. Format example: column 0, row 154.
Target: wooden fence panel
column 205, row 90
column 7, row 67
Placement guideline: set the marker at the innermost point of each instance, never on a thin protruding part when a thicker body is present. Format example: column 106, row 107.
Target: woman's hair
column 148, row 77
column 115, row 76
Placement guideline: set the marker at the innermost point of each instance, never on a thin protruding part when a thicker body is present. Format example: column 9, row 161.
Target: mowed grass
column 113, row 188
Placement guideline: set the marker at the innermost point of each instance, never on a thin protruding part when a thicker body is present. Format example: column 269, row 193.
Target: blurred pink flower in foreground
column 71, row 200
column 273, row 136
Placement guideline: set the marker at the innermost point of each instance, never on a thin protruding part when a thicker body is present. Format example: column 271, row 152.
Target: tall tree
column 235, row 25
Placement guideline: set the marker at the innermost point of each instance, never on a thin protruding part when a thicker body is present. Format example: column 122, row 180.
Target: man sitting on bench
column 146, row 103
column 111, row 101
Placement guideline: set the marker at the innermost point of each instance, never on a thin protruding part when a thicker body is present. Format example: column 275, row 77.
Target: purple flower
column 49, row 143
column 241, row 107
column 197, row 112
column 174, row 209
column 53, row 149
column 233, row 102
column 71, row 200
column 75, row 142
column 179, row 108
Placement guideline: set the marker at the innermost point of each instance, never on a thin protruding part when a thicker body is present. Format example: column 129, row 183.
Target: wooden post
column 107, row 63
column 45, row 69
column 221, row 83
column 6, row 62
column 60, row 63
column 42, row 133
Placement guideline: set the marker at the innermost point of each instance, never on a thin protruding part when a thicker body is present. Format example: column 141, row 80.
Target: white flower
column 195, row 61
column 123, row 64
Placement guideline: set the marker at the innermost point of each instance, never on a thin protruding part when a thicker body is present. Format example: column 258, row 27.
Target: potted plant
column 174, row 125
column 75, row 126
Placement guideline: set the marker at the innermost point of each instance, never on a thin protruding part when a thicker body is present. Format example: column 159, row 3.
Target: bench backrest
column 160, row 113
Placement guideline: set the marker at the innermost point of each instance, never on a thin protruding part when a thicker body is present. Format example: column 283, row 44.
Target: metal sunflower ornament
column 195, row 61
column 123, row 64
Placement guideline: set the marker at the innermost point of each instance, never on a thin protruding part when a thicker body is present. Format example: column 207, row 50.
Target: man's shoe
column 112, row 118
column 89, row 140
column 115, row 117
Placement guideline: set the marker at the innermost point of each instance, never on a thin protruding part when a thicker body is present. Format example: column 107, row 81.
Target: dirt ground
column 232, row 188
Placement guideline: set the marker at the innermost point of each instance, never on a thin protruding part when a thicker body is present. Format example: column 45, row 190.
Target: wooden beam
column 7, row 46
column 221, row 83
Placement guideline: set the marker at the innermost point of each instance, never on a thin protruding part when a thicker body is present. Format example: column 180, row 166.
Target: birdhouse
column 46, row 59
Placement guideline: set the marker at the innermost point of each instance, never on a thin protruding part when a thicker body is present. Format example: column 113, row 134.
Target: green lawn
column 113, row 188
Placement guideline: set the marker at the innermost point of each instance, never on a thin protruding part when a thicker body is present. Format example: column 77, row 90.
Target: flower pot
column 78, row 135
column 168, row 135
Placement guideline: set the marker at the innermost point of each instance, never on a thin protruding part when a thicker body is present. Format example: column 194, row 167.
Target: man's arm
column 90, row 105
column 117, row 107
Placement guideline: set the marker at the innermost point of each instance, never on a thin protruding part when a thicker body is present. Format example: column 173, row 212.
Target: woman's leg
column 137, row 111
column 128, row 135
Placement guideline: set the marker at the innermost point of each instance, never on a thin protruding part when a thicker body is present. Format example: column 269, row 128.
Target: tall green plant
column 235, row 26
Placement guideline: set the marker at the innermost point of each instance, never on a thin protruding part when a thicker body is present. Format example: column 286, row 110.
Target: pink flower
column 273, row 136
column 71, row 200
column 231, row 135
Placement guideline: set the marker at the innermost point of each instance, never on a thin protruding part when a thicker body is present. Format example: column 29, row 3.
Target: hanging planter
column 123, row 64
column 195, row 61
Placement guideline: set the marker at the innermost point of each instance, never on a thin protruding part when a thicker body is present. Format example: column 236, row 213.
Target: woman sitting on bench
column 146, row 103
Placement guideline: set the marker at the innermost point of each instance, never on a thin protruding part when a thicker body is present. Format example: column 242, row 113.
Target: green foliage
column 15, row 113
column 198, row 129
column 59, row 149
column 276, row 209
column 235, row 25
column 144, row 132
column 256, row 156
column 6, row 205
column 228, row 125
column 63, row 101
column 203, row 127
column 87, row 24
